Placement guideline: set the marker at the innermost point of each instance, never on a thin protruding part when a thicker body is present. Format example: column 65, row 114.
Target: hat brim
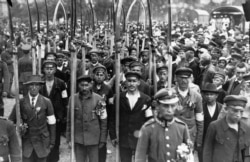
column 169, row 101
column 30, row 82
column 211, row 91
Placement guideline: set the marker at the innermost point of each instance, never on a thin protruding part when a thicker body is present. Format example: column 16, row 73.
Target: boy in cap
column 162, row 73
column 134, row 112
column 38, row 114
column 90, row 120
column 219, row 80
column 227, row 139
column 160, row 137
column 55, row 89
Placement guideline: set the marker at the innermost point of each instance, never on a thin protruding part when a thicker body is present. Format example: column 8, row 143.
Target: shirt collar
column 35, row 100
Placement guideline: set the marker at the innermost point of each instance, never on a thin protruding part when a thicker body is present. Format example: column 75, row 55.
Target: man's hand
column 101, row 144
column 114, row 142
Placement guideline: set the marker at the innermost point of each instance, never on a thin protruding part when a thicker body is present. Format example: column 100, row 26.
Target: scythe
column 130, row 9
column 60, row 2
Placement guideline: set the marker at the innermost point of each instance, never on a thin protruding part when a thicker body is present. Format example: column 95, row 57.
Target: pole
column 169, row 44
column 16, row 81
column 117, row 65
column 72, row 105
column 38, row 17
column 150, row 37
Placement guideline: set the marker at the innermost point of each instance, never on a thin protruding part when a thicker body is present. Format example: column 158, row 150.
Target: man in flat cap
column 134, row 112
column 162, row 73
column 160, row 137
column 190, row 110
column 90, row 118
column 99, row 87
column 38, row 114
column 227, row 139
column 219, row 80
column 55, row 89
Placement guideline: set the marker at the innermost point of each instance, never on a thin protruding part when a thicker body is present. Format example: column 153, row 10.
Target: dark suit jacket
column 131, row 121
column 233, row 87
column 38, row 137
column 194, row 65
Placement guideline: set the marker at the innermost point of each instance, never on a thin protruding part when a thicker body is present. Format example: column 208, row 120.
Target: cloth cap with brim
column 84, row 78
column 128, row 59
column 60, row 55
column 237, row 56
column 166, row 96
column 237, row 50
column 50, row 54
column 34, row 79
column 96, row 51
column 135, row 63
column 210, row 88
column 184, row 72
column 239, row 102
column 220, row 74
column 26, row 47
column 161, row 68
column 99, row 68
column 51, row 62
column 189, row 49
column 246, row 78
column 223, row 59
column 133, row 74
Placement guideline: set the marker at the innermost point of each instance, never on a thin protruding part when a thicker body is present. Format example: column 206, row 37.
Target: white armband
column 64, row 94
column 51, row 119
column 199, row 116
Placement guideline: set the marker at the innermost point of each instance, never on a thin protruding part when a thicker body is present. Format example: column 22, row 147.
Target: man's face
column 217, row 81
column 94, row 58
column 182, row 55
column 87, row 63
column 183, row 82
column 34, row 89
column 137, row 69
column 210, row 97
column 221, row 64
column 240, row 72
column 234, row 114
column 133, row 53
column 84, row 87
column 125, row 67
column 59, row 62
column 132, row 83
column 166, row 111
column 49, row 70
column 99, row 77
column 163, row 76
column 145, row 57
column 235, row 61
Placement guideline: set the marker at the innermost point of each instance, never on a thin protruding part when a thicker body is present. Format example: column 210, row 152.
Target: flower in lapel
column 4, row 140
column 38, row 109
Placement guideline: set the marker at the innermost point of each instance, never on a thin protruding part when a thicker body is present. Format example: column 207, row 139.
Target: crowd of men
column 206, row 108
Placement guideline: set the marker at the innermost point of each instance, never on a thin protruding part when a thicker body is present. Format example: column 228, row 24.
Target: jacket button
column 168, row 153
column 167, row 137
column 168, row 145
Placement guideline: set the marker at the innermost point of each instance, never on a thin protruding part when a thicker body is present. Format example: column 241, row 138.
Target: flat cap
column 52, row 62
column 94, row 51
column 237, row 56
column 235, row 50
column 100, row 68
column 223, row 59
column 236, row 100
column 220, row 74
column 84, row 78
column 184, row 72
column 132, row 73
column 166, row 96
column 135, row 63
column 161, row 68
column 127, row 59
column 210, row 87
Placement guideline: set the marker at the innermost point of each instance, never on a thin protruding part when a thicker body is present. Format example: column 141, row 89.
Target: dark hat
column 246, row 78
column 210, row 87
column 84, row 78
column 127, row 59
column 213, row 43
column 132, row 73
column 235, row 100
column 94, row 51
column 166, row 96
column 50, row 53
column 161, row 68
column 52, row 62
column 60, row 55
column 184, row 72
column 135, row 63
column 189, row 49
column 237, row 56
column 34, row 79
column 237, row 50
column 100, row 68
column 26, row 47
column 220, row 74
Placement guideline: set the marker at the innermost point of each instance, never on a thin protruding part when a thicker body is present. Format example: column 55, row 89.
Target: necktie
column 33, row 102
